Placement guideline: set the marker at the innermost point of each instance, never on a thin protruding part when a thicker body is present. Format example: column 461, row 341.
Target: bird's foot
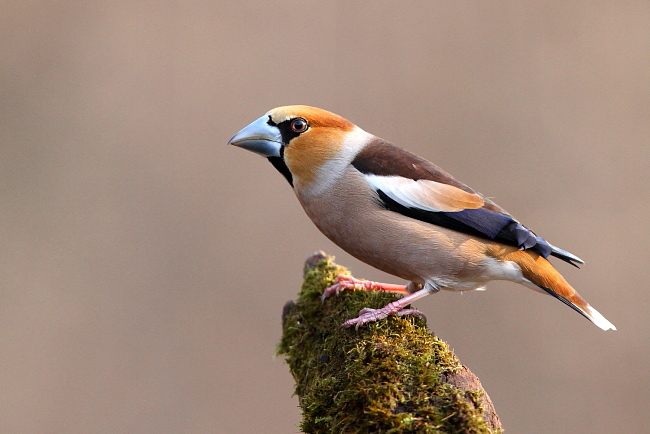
column 348, row 282
column 367, row 314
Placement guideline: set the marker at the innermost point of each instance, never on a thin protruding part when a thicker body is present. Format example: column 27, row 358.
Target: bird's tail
column 543, row 275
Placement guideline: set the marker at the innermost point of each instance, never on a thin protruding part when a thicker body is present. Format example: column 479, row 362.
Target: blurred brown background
column 144, row 264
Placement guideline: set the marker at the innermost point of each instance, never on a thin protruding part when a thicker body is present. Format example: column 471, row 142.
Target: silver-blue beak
column 259, row 137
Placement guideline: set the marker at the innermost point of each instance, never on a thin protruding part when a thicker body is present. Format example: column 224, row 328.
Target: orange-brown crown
column 306, row 153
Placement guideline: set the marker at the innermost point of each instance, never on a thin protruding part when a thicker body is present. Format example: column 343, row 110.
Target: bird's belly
column 404, row 247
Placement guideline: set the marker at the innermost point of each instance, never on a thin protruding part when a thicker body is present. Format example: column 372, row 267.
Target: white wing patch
column 425, row 194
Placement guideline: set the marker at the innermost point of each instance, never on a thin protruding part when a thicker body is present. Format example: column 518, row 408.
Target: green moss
column 384, row 377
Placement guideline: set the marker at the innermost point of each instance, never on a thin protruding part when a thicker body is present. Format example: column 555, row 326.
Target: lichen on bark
column 390, row 376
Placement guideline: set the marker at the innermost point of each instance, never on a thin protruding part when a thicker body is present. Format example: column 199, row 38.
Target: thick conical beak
column 259, row 137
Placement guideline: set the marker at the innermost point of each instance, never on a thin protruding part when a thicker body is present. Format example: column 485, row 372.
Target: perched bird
column 402, row 214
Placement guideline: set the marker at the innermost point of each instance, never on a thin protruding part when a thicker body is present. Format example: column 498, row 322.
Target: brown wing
column 417, row 188
column 385, row 159
column 425, row 194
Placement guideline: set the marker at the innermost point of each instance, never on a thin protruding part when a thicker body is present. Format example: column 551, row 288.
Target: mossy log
column 390, row 376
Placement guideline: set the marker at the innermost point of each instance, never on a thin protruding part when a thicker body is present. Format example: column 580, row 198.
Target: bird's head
column 300, row 141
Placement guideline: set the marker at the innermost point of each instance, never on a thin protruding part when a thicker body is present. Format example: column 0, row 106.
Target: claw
column 413, row 312
column 348, row 282
column 367, row 315
column 397, row 307
column 342, row 282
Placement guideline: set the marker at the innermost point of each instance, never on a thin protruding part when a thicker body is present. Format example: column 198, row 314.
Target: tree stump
column 390, row 376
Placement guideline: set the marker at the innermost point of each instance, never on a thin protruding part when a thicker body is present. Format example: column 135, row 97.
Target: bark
column 391, row 376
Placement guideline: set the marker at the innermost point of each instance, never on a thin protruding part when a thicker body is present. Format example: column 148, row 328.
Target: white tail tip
column 598, row 319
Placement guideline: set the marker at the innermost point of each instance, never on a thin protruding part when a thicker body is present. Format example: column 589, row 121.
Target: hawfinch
column 402, row 214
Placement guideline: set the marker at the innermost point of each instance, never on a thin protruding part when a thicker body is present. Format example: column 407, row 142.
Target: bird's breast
column 349, row 214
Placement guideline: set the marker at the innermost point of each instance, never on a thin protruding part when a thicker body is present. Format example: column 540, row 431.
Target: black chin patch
column 278, row 163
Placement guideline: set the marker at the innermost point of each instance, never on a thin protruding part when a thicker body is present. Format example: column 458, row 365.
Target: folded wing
column 417, row 188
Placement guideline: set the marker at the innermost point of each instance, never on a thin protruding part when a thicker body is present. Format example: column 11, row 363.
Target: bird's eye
column 299, row 125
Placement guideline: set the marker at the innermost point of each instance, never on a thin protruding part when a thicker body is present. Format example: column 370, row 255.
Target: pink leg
column 367, row 315
column 347, row 282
